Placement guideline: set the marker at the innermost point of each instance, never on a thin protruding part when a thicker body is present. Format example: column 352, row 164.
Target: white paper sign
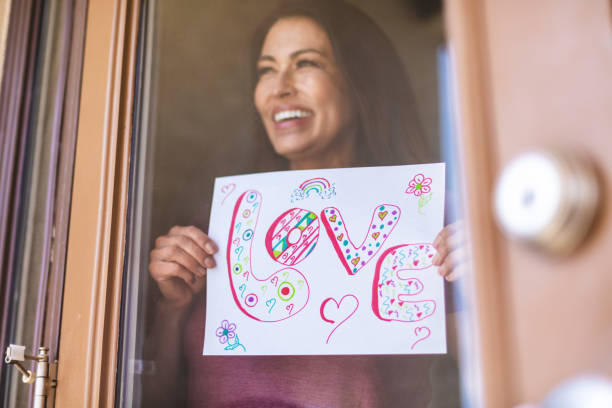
column 331, row 261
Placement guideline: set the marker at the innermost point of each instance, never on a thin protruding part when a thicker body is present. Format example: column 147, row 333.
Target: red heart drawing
column 227, row 189
column 382, row 214
column 415, row 263
column 339, row 237
column 355, row 261
column 375, row 235
column 332, row 218
column 421, row 333
column 331, row 314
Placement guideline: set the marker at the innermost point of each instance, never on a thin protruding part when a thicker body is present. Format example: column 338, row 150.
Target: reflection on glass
column 298, row 85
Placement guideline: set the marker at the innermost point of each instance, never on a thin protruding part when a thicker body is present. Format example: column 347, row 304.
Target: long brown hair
column 389, row 130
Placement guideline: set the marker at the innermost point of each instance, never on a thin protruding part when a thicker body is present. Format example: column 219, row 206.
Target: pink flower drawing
column 226, row 331
column 419, row 185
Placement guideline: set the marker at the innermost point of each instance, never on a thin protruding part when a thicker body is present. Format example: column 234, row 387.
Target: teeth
column 291, row 114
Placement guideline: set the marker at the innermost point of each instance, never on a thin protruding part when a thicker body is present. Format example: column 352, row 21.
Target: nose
column 284, row 85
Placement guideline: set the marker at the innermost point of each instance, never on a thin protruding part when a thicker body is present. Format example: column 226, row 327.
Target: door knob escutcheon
column 548, row 199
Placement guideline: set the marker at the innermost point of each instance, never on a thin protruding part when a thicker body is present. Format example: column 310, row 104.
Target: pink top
column 300, row 381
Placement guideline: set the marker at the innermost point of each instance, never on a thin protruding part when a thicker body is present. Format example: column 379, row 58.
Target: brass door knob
column 547, row 199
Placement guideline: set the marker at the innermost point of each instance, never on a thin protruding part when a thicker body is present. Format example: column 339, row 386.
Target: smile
column 291, row 114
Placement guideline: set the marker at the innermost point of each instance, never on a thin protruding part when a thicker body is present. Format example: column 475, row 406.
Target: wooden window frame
column 490, row 365
column 89, row 334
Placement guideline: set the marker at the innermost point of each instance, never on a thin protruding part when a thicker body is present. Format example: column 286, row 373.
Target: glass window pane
column 199, row 116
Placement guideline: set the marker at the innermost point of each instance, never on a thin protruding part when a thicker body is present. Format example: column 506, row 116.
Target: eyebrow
column 293, row 54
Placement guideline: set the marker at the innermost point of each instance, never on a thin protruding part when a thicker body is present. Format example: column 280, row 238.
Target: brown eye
column 263, row 71
column 303, row 63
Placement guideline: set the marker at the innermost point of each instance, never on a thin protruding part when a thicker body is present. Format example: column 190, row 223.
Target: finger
column 443, row 251
column 198, row 236
column 448, row 239
column 188, row 245
column 454, row 259
column 449, row 230
column 456, row 237
column 445, row 269
column 165, row 270
column 441, row 237
column 452, row 243
column 457, row 272
column 197, row 285
column 174, row 253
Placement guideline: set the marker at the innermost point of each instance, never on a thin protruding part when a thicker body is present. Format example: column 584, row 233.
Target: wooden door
column 534, row 75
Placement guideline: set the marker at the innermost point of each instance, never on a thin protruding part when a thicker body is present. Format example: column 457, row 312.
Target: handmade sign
column 331, row 261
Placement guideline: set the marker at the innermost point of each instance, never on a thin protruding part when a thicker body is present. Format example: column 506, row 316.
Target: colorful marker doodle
column 226, row 334
column 292, row 236
column 423, row 201
column 391, row 290
column 419, row 185
column 314, row 187
column 266, row 299
column 331, row 314
column 421, row 333
column 227, row 189
column 354, row 257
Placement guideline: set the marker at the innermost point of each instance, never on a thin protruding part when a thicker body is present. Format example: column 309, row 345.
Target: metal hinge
column 44, row 379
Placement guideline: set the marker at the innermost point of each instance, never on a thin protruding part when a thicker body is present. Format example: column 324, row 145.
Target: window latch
column 41, row 379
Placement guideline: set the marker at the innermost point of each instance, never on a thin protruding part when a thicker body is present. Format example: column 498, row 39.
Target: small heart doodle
column 421, row 333
column 344, row 310
column 227, row 189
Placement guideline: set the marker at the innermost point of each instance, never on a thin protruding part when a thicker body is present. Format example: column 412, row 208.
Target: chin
column 291, row 153
column 291, row 150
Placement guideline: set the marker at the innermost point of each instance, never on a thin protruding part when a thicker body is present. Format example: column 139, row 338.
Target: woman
column 330, row 91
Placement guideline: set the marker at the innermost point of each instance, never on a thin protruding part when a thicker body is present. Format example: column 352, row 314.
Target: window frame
column 92, row 293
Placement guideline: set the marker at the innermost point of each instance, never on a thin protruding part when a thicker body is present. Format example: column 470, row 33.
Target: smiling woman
column 337, row 59
column 302, row 97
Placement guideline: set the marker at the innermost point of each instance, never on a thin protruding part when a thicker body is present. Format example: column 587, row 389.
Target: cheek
column 328, row 91
column 345, row 104
column 337, row 103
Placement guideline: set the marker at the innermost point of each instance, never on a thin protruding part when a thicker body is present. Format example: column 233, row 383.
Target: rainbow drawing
column 314, row 187
column 318, row 185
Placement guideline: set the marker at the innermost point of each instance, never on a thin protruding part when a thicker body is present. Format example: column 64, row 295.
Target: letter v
column 354, row 257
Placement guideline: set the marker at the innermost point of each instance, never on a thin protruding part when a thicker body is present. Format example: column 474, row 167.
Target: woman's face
column 301, row 93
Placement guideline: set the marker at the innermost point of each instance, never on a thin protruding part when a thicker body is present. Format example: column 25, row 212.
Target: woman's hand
column 453, row 254
column 179, row 263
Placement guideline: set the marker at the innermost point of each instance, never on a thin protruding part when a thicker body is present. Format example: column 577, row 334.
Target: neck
column 340, row 155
